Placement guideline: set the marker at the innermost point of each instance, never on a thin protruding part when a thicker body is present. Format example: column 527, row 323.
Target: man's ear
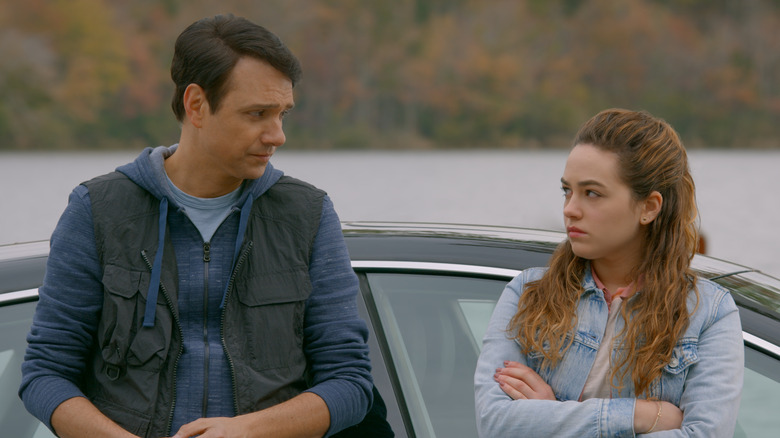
column 195, row 104
column 651, row 207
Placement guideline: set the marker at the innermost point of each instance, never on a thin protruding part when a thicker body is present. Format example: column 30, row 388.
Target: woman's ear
column 195, row 104
column 651, row 207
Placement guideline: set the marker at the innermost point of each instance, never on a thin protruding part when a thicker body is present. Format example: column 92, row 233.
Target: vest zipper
column 181, row 336
column 241, row 258
column 206, row 260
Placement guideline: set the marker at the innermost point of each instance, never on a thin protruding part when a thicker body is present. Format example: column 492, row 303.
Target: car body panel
column 431, row 283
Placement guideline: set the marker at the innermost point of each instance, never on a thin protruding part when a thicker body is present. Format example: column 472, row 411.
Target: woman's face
column 602, row 219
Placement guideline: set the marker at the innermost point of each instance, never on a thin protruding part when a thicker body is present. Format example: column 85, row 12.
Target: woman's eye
column 566, row 191
column 591, row 194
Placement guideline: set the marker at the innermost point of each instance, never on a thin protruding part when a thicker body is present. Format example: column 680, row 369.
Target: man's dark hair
column 207, row 50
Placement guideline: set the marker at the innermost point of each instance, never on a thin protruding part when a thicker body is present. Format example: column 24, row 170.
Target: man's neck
column 194, row 178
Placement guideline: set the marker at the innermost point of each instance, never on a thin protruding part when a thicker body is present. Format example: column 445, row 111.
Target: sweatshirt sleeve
column 66, row 316
column 335, row 335
column 499, row 415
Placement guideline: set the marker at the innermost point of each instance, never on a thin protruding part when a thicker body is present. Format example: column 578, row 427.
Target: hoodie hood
column 148, row 171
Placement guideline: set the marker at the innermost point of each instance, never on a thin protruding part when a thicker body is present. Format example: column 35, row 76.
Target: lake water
column 736, row 191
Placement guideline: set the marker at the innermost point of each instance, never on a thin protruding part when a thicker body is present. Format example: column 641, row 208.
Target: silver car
column 427, row 292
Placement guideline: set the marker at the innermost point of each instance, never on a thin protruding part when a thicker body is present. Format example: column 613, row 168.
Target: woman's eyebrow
column 587, row 182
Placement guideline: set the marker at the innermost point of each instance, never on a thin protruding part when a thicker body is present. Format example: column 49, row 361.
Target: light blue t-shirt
column 205, row 213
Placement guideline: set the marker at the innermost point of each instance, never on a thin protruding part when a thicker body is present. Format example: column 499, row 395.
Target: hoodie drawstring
column 154, row 282
column 242, row 222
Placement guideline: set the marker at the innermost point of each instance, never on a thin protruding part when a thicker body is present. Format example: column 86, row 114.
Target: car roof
column 503, row 249
column 22, row 265
column 494, row 246
column 513, row 249
column 452, row 242
column 500, row 247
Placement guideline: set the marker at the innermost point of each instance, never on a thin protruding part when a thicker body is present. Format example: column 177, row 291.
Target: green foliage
column 405, row 74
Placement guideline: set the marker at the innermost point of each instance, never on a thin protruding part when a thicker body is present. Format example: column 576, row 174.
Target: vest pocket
column 131, row 420
column 270, row 319
column 123, row 340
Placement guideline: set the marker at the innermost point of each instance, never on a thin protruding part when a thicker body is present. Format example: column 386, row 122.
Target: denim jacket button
column 674, row 362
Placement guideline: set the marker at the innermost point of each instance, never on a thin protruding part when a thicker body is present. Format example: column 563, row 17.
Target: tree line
column 94, row 74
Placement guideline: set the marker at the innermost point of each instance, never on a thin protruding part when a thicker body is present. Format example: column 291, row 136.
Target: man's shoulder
column 294, row 187
column 287, row 180
column 113, row 195
column 113, row 177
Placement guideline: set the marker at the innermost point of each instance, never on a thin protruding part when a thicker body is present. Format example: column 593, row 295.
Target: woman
column 617, row 337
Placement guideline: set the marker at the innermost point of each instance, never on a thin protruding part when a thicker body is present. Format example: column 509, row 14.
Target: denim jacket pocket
column 672, row 381
column 685, row 354
column 535, row 359
column 123, row 339
column 583, row 344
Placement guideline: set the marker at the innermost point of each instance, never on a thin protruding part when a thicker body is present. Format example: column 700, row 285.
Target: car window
column 15, row 421
column 758, row 411
column 434, row 326
column 477, row 314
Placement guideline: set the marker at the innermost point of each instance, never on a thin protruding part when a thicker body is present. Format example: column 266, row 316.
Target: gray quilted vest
column 131, row 376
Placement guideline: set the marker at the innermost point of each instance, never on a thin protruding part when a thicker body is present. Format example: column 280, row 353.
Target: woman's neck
column 613, row 275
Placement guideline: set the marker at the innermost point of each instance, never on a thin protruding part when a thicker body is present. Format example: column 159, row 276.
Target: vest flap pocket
column 122, row 282
column 124, row 341
column 148, row 343
column 275, row 288
column 685, row 354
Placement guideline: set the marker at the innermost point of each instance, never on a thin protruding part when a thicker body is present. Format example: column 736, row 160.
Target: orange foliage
column 450, row 72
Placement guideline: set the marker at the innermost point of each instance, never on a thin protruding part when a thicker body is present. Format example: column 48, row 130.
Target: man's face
column 238, row 140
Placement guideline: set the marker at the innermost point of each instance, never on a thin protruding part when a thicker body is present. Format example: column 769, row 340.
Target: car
column 427, row 292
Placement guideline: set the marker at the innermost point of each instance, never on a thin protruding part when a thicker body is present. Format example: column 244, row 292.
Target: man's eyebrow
column 257, row 106
column 587, row 182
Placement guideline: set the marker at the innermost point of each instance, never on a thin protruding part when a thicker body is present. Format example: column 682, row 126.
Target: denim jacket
column 703, row 378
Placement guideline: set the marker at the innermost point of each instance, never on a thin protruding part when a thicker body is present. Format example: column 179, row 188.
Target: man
column 197, row 291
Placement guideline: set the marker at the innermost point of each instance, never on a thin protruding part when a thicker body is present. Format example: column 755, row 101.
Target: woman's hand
column 521, row 382
column 646, row 413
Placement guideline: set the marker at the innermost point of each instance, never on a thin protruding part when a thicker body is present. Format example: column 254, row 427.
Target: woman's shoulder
column 517, row 284
column 711, row 292
column 714, row 302
column 528, row 275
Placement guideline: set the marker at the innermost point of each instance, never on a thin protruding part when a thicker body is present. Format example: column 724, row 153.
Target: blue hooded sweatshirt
column 62, row 335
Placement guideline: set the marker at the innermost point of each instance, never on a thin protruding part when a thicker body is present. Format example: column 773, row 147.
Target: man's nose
column 274, row 134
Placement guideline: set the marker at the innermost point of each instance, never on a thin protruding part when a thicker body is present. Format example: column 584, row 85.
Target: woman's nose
column 570, row 208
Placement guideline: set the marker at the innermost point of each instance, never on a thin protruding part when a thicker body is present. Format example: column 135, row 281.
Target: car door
column 427, row 322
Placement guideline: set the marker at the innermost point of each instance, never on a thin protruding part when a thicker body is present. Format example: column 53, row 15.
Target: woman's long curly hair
column 651, row 157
